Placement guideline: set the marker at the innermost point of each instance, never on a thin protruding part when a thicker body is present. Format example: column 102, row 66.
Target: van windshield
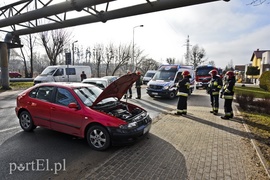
column 164, row 75
column 48, row 71
column 150, row 74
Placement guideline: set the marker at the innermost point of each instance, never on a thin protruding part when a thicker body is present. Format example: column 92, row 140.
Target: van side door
column 59, row 75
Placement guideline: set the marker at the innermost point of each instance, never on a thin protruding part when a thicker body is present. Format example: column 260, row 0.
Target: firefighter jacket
column 183, row 87
column 228, row 89
column 215, row 85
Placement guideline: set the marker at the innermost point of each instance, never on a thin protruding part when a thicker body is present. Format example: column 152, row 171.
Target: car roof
column 71, row 85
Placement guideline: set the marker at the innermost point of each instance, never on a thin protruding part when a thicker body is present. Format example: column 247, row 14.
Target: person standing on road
column 183, row 91
column 214, row 87
column 83, row 76
column 138, row 85
column 227, row 94
column 129, row 90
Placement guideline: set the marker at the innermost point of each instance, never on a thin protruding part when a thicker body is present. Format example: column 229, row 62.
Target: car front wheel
column 26, row 121
column 98, row 138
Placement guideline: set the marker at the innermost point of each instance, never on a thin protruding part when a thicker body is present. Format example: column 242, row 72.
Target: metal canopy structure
column 32, row 16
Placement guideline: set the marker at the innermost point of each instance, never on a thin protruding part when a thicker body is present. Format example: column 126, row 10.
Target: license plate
column 146, row 129
column 154, row 93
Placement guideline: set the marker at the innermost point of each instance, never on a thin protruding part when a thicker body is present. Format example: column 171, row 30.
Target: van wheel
column 172, row 95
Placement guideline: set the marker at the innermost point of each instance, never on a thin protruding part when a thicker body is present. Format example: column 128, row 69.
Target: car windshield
column 48, row 71
column 164, row 75
column 88, row 95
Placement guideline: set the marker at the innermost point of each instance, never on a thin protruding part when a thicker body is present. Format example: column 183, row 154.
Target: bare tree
column 170, row 60
column 98, row 57
column 53, row 42
column 122, row 57
column 149, row 64
column 197, row 55
column 258, row 2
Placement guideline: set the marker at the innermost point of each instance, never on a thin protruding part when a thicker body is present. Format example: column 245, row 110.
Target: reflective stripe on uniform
column 182, row 94
column 228, row 97
column 215, row 93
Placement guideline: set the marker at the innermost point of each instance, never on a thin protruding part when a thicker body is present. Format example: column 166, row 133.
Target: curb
column 254, row 144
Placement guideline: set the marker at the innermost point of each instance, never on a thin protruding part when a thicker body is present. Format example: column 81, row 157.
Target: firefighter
column 227, row 94
column 214, row 87
column 183, row 91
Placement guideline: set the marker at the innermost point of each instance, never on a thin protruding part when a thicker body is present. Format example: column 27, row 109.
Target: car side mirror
column 73, row 105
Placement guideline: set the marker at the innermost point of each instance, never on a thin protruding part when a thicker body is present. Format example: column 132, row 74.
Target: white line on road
column 9, row 129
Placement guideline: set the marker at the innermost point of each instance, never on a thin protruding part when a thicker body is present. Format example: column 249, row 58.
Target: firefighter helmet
column 185, row 73
column 230, row 74
column 213, row 72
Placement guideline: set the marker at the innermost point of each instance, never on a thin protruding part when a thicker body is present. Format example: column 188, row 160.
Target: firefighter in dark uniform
column 214, row 87
column 227, row 94
column 183, row 91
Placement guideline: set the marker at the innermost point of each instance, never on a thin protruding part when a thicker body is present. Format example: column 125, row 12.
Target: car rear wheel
column 26, row 121
column 98, row 138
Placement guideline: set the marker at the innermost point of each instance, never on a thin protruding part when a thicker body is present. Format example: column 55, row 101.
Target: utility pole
column 188, row 52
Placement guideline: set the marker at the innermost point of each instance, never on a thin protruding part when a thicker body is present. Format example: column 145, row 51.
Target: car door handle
column 53, row 108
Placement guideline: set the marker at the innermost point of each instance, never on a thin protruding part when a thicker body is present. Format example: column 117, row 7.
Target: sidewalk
column 196, row 146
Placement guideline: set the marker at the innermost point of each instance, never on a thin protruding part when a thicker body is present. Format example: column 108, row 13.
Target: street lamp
column 73, row 51
column 132, row 63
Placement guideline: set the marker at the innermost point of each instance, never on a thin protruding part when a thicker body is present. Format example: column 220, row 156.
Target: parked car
column 84, row 110
column 99, row 82
column 110, row 78
column 15, row 75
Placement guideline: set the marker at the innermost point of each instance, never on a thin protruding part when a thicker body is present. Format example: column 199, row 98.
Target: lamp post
column 132, row 63
column 73, row 51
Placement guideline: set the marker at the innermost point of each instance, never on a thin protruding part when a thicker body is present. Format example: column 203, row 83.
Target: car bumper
column 126, row 136
column 158, row 93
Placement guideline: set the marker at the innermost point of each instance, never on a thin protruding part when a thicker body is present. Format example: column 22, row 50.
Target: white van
column 165, row 81
column 62, row 73
column 148, row 76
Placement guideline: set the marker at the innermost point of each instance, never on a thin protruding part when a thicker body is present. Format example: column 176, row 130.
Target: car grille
column 155, row 87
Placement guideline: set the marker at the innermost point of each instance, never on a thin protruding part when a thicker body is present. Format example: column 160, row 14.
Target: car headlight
column 129, row 125
column 166, row 87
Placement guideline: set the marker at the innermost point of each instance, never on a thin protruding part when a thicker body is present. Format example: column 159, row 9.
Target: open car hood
column 118, row 88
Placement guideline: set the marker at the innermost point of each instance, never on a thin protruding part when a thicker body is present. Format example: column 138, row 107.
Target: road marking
column 9, row 129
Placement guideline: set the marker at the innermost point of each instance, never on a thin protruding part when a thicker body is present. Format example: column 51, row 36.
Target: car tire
column 172, row 95
column 98, row 138
column 26, row 121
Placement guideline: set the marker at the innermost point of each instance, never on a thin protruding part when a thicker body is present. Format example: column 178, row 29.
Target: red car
column 85, row 110
column 14, row 75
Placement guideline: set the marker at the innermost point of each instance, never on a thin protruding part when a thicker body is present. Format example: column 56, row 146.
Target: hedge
column 265, row 81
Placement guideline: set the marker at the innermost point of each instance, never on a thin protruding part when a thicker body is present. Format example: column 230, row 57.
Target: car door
column 39, row 105
column 63, row 118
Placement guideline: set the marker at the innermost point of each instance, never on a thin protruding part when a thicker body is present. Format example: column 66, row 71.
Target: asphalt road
column 45, row 154
column 42, row 154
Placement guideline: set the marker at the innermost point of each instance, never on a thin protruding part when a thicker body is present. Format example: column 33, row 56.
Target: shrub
column 248, row 103
column 265, row 81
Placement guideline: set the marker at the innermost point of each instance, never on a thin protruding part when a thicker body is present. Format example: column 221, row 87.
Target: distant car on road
column 110, row 78
column 99, row 82
column 84, row 110
column 15, row 75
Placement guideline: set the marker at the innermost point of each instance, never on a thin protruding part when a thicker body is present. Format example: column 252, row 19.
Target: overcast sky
column 228, row 31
